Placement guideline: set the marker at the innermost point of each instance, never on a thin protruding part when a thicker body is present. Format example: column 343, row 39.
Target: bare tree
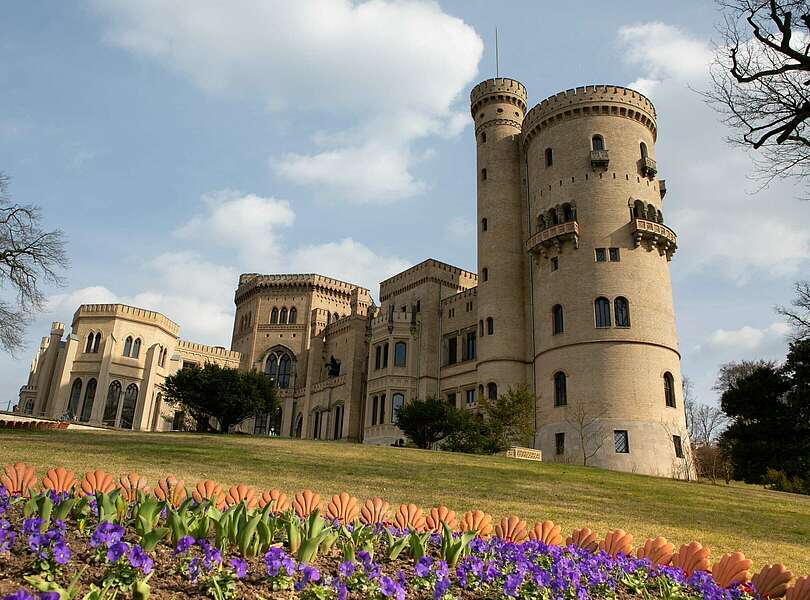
column 707, row 424
column 588, row 428
column 798, row 316
column 731, row 372
column 760, row 76
column 29, row 257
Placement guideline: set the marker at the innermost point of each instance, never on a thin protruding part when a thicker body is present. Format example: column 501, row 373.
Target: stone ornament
column 617, row 542
column 478, row 521
column 692, row 557
column 731, row 568
column 546, row 532
column 772, row 581
column 130, row 485
column 209, row 490
column 512, row 529
column 343, row 508
column 658, row 551
column 375, row 511
column 239, row 493
column 409, row 516
column 279, row 500
column 583, row 538
column 97, row 481
column 171, row 490
column 439, row 515
column 59, row 480
column 305, row 502
column 18, row 479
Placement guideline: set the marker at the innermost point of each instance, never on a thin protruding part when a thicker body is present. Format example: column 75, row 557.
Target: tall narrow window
column 484, row 224
column 75, row 398
column 560, row 389
column 284, row 371
column 283, row 316
column 569, row 214
column 621, row 442
column 136, row 348
column 669, row 389
column 382, row 409
column 400, row 354
column 481, row 328
column 485, row 274
column 622, row 309
column 470, row 346
column 128, row 346
column 549, row 157
column 97, row 342
column 451, row 399
column 598, row 142
column 490, row 326
column 293, row 315
column 676, row 441
column 555, row 263
column 558, row 318
column 483, row 174
column 271, row 367
column 492, row 390
column 88, row 347
column 89, row 397
column 274, row 315
column 129, row 406
column 385, row 356
column 470, row 397
column 643, row 149
column 602, row 308
column 111, row 406
column 452, row 350
column 397, row 402
column 377, row 357
column 374, row 402
column 559, row 444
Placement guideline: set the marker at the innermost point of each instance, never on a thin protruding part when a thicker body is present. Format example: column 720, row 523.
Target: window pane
column 400, row 350
column 559, row 443
column 614, row 255
column 602, row 307
column 470, row 397
column 676, row 440
column 622, row 309
column 600, row 255
column 560, row 389
column 621, row 442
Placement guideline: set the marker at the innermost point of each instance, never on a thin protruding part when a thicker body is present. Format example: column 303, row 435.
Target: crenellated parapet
column 124, row 311
column 590, row 101
column 250, row 283
column 500, row 89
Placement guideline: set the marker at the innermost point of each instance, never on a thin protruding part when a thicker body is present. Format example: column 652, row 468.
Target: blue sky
column 180, row 143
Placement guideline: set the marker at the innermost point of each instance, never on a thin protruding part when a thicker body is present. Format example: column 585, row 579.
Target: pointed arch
column 89, row 397
column 136, row 348
column 75, row 398
column 111, row 405
column 88, row 347
column 128, row 346
column 97, row 342
column 283, row 316
column 274, row 315
column 293, row 315
column 129, row 406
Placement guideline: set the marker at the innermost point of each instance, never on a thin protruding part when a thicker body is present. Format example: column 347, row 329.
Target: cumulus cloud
column 725, row 225
column 399, row 64
column 768, row 340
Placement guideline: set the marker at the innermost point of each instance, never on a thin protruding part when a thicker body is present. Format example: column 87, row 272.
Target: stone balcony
column 648, row 167
column 329, row 383
column 554, row 236
column 657, row 235
column 600, row 159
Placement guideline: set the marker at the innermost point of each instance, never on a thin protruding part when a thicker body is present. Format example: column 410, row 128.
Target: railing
column 329, row 383
column 648, row 167
column 553, row 235
column 600, row 159
column 659, row 234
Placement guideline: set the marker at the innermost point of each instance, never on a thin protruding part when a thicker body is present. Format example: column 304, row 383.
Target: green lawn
column 767, row 526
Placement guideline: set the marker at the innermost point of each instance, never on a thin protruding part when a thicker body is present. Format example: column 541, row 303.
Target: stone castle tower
column 573, row 271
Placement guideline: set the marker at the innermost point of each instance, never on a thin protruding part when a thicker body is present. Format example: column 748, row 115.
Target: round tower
column 607, row 366
column 498, row 107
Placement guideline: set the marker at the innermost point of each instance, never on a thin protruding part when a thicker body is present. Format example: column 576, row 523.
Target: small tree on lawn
column 588, row 429
column 427, row 422
column 512, row 415
column 226, row 395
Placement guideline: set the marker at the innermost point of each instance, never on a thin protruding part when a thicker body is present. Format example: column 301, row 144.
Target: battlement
column 251, row 281
column 430, row 267
column 183, row 345
column 591, row 100
column 464, row 295
column 125, row 311
column 500, row 87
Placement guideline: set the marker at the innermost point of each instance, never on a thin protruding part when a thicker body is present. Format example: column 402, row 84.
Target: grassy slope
column 767, row 526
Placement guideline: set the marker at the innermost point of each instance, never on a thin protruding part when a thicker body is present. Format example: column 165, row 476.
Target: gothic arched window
column 97, row 342
column 293, row 315
column 274, row 315
column 400, row 354
column 136, row 348
column 75, row 398
column 89, row 397
column 128, row 408
column 88, row 347
column 549, row 157
column 492, row 390
column 284, row 369
column 283, row 317
column 128, row 346
column 643, row 149
column 111, row 406
column 669, row 389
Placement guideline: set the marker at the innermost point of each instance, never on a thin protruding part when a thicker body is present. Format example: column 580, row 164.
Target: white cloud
column 748, row 339
column 724, row 224
column 391, row 69
column 244, row 221
column 461, row 228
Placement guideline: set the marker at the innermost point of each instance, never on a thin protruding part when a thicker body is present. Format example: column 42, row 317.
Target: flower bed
column 97, row 538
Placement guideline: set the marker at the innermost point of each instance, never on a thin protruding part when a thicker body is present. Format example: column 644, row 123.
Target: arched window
column 89, row 396
column 293, row 315
column 128, row 408
column 400, row 354
column 549, row 157
column 97, row 342
column 651, row 213
column 284, row 370
column 75, row 398
column 669, row 389
column 552, row 217
column 598, row 142
column 560, row 389
column 569, row 214
column 558, row 319
column 136, row 348
column 274, row 315
column 660, row 216
column 643, row 149
column 622, row 309
column 88, row 347
column 492, row 390
column 111, row 406
column 602, row 306
column 128, row 346
column 271, row 366
column 283, row 318
column 397, row 402
column 638, row 210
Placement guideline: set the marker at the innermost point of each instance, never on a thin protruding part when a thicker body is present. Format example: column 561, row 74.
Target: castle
column 572, row 298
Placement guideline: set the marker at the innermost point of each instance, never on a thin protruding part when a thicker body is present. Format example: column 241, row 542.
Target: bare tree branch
column 29, row 257
column 588, row 428
column 798, row 317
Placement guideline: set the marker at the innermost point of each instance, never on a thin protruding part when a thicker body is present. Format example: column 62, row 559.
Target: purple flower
column 140, row 560
column 116, row 551
column 61, row 553
column 20, row 594
column 239, row 566
column 48, row 595
column 346, row 569
column 32, row 525
column 391, row 589
column 309, row 574
column 106, row 534
column 423, row 566
column 276, row 561
column 183, row 544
